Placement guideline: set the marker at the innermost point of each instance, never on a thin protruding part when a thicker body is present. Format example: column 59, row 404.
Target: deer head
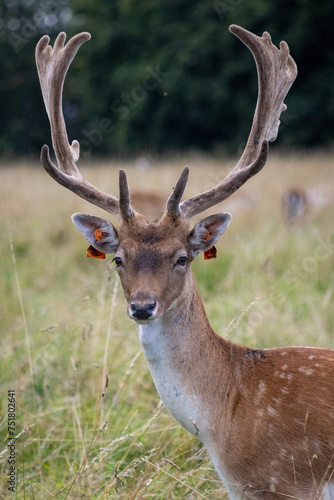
column 153, row 258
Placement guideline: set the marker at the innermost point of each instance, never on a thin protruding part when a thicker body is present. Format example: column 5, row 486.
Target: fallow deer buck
column 265, row 416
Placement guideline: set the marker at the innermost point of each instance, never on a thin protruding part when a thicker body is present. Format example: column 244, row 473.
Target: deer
column 265, row 416
column 295, row 204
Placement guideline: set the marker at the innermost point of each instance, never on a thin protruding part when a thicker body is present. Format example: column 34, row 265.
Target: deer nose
column 142, row 306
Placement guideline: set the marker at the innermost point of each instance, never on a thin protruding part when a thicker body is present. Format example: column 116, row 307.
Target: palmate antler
column 276, row 73
column 52, row 66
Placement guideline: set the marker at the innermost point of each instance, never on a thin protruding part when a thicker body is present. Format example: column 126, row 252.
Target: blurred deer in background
column 295, row 206
column 265, row 416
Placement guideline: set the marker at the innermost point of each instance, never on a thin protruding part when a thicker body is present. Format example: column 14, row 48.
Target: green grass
column 64, row 327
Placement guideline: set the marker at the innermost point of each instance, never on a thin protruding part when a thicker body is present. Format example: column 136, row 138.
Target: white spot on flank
column 305, row 370
column 259, row 413
column 284, row 367
column 285, row 390
column 258, row 420
column 311, row 357
column 287, row 376
column 262, row 388
column 271, row 411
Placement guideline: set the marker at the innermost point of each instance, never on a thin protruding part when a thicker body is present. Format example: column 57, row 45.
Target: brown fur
column 270, row 419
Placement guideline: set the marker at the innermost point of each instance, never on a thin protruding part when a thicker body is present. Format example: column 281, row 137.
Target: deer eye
column 118, row 261
column 181, row 261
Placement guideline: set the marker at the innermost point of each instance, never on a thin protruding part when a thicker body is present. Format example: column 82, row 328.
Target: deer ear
column 207, row 232
column 100, row 233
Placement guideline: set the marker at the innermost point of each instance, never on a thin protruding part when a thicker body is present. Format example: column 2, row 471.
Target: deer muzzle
column 143, row 306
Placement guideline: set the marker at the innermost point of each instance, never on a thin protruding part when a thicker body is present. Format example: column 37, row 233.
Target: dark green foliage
column 163, row 76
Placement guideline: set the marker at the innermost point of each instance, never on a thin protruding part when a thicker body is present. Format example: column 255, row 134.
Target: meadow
column 88, row 420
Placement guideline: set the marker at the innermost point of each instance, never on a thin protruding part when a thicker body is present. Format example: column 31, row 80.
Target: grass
column 64, row 329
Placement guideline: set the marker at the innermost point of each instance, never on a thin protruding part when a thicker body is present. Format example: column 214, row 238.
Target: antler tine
column 276, row 73
column 173, row 202
column 124, row 197
column 52, row 66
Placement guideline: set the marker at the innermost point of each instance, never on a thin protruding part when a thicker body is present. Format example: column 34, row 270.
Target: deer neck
column 183, row 354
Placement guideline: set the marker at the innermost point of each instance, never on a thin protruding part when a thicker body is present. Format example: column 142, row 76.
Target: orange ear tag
column 95, row 254
column 211, row 253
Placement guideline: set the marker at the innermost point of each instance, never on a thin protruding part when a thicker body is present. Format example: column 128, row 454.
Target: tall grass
column 88, row 419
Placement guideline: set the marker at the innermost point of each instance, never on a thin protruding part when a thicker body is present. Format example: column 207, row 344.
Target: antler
column 276, row 72
column 52, row 66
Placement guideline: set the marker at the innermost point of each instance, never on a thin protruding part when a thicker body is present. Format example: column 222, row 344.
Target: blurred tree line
column 163, row 76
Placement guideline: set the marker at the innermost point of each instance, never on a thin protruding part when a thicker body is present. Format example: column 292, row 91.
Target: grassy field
column 64, row 327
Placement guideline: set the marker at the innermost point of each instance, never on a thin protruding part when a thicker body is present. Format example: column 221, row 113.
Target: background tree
column 163, row 76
